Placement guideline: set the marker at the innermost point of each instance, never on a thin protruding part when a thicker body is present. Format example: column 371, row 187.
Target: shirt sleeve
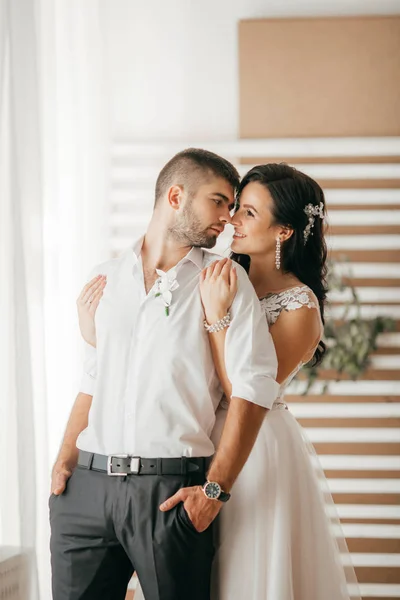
column 89, row 374
column 88, row 380
column 251, row 362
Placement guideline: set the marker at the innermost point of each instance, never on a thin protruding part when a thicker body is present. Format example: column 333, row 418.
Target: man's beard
column 190, row 231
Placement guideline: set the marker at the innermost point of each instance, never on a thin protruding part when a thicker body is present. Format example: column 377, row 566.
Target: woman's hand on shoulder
column 87, row 303
column 218, row 287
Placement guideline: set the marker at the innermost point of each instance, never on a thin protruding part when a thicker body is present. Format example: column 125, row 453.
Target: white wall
column 172, row 64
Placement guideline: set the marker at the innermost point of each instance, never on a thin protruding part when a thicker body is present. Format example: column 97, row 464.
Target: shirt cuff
column 88, row 384
column 263, row 395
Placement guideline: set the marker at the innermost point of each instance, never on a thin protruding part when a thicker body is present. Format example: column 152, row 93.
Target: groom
column 147, row 402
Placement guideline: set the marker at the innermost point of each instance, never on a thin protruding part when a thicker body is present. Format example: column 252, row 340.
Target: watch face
column 212, row 490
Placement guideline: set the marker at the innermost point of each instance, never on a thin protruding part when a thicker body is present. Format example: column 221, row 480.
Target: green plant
column 351, row 339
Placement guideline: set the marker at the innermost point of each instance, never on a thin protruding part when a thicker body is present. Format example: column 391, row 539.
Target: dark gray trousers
column 105, row 528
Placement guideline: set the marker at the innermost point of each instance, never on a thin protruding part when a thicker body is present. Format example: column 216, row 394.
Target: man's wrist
column 214, row 491
column 224, row 482
column 68, row 458
column 60, row 465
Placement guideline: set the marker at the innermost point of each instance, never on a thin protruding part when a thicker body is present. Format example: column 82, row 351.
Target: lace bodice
column 273, row 304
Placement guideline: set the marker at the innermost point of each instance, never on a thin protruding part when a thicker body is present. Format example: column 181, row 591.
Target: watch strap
column 224, row 496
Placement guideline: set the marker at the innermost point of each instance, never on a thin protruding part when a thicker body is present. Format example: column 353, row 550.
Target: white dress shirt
column 152, row 377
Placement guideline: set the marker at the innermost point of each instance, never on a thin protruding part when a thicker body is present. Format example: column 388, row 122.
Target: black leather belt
column 122, row 464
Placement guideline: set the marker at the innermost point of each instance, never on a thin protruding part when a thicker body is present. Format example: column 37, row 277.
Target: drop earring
column 278, row 254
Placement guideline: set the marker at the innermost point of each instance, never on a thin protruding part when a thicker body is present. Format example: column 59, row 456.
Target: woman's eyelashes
column 247, row 211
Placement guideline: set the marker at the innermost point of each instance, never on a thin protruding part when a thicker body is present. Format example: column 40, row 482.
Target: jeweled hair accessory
column 312, row 211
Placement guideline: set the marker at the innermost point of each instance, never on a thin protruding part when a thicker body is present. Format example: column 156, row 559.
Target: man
column 146, row 407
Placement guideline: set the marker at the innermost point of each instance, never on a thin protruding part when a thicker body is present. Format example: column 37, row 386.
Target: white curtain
column 74, row 109
column 23, row 430
column 53, row 228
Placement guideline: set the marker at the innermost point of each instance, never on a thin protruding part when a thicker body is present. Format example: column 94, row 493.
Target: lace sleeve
column 292, row 299
column 297, row 299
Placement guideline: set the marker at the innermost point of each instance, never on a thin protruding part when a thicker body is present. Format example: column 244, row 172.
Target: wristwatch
column 213, row 491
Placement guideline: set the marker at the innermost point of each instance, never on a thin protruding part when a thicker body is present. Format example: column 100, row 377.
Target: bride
column 278, row 538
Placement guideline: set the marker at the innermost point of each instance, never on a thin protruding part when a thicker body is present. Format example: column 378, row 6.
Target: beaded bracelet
column 219, row 325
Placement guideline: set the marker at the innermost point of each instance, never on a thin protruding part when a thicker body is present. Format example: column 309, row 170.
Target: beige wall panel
column 320, row 77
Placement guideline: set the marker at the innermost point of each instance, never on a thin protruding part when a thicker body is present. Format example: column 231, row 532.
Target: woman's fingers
column 88, row 286
column 233, row 279
column 219, row 268
column 226, row 269
column 93, row 288
column 219, row 265
column 209, row 271
column 95, row 301
column 100, row 291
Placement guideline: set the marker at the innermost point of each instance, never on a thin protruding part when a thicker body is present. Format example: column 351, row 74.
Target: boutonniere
column 166, row 284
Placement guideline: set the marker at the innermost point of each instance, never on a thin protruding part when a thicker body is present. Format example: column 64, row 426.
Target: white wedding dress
column 278, row 537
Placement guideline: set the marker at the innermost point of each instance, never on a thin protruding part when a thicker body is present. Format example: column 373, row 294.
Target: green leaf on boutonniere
column 158, row 294
column 167, row 311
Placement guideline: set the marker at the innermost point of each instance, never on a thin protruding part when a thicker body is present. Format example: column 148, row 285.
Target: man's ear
column 174, row 196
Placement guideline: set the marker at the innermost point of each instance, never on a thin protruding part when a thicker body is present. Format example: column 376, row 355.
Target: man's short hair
column 191, row 167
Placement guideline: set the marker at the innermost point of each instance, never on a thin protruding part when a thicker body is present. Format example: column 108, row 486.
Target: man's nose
column 226, row 217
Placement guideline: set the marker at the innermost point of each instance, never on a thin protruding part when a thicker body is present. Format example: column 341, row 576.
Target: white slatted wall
column 356, row 427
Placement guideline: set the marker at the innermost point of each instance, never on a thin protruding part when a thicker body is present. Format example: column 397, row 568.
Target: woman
column 276, row 539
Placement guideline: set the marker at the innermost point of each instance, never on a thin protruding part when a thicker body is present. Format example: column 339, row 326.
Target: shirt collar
column 195, row 255
column 137, row 249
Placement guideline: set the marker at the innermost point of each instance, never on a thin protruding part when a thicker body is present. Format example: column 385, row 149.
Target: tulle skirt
column 278, row 537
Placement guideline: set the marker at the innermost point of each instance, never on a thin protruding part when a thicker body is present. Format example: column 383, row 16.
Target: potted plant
column 350, row 339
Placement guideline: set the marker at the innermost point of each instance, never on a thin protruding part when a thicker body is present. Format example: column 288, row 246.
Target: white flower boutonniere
column 166, row 284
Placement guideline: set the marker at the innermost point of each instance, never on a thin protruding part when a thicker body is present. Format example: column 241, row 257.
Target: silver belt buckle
column 109, row 465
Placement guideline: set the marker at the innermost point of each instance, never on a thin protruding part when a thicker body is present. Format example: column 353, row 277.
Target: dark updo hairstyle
column 291, row 191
